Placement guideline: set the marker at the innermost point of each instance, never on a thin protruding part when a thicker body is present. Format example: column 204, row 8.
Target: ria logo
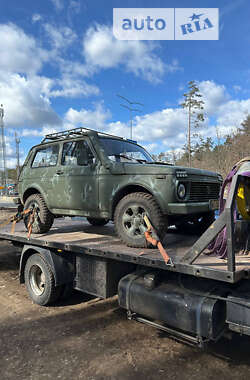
column 166, row 23
column 197, row 24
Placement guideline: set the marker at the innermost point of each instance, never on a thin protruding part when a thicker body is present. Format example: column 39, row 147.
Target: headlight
column 181, row 191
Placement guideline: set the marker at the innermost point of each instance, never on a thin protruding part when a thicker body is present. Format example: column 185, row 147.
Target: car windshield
column 124, row 151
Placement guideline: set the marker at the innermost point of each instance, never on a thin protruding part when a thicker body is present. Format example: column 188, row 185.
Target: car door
column 41, row 171
column 76, row 178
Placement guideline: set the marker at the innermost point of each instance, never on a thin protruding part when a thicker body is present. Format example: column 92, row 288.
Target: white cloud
column 58, row 4
column 24, row 103
column 36, row 17
column 75, row 6
column 41, row 132
column 237, row 88
column 93, row 119
column 232, row 113
column 166, row 126
column 71, row 87
column 96, row 118
column 19, row 52
column 151, row 147
column 228, row 113
column 103, row 51
column 60, row 37
column 25, row 94
column 165, row 129
column 214, row 96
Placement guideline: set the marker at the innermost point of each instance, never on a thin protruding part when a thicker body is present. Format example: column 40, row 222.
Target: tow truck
column 194, row 296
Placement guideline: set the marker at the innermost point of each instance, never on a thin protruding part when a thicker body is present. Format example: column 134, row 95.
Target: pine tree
column 194, row 105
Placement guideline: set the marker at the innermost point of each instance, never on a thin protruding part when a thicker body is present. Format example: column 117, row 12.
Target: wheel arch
column 30, row 191
column 129, row 189
column 62, row 268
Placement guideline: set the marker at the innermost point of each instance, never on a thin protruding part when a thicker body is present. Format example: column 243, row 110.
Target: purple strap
column 219, row 245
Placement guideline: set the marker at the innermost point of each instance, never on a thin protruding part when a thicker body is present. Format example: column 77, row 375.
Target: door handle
column 59, row 172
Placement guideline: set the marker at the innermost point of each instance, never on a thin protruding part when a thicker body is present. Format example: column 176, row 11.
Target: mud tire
column 128, row 218
column 43, row 218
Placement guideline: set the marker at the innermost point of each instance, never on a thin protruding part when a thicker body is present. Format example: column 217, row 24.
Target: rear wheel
column 129, row 218
column 40, row 282
column 97, row 221
column 43, row 219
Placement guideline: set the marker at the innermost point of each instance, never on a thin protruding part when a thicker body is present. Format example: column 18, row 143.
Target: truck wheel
column 97, row 221
column 43, row 217
column 40, row 282
column 198, row 224
column 129, row 222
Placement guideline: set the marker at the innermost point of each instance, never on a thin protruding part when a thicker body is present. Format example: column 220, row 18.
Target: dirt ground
column 92, row 339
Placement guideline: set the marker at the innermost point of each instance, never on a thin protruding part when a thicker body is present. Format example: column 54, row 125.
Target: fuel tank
column 181, row 303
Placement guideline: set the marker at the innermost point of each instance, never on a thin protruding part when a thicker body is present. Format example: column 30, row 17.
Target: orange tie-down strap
column 19, row 216
column 156, row 242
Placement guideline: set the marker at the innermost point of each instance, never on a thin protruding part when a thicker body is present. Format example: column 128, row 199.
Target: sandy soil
column 92, row 339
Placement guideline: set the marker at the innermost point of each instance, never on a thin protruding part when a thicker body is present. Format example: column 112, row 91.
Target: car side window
column 46, row 156
column 77, row 153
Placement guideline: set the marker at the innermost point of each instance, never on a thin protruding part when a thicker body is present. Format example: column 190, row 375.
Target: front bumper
column 190, row 208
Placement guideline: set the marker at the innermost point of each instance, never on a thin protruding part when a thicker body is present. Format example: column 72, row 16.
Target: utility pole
column 131, row 109
column 3, row 148
column 17, row 140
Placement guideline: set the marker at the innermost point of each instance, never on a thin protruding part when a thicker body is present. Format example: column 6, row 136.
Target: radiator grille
column 202, row 192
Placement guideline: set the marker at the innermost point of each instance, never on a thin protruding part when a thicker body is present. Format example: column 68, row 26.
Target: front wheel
column 129, row 218
column 40, row 282
column 43, row 219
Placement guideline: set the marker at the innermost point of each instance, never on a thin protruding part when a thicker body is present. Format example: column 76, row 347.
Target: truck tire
column 199, row 224
column 40, row 282
column 43, row 217
column 129, row 222
column 97, row 221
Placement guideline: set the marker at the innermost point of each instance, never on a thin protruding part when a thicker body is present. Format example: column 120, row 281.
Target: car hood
column 164, row 169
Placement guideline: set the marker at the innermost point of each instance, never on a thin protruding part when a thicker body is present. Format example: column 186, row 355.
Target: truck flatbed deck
column 79, row 237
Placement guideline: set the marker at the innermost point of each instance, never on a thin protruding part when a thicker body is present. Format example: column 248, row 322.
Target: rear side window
column 46, row 156
column 77, row 153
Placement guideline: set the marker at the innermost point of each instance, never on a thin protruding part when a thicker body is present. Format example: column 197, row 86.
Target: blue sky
column 61, row 67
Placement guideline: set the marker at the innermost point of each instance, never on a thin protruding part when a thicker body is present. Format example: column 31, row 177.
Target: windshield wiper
column 160, row 163
column 130, row 158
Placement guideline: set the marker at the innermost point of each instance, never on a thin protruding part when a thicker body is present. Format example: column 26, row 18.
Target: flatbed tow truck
column 194, row 297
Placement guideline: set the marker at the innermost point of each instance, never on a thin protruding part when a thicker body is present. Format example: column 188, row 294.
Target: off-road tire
column 97, row 221
column 43, row 218
column 129, row 223
column 199, row 226
column 40, row 282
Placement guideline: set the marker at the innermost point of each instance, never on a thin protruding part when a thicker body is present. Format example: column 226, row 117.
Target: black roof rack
column 76, row 132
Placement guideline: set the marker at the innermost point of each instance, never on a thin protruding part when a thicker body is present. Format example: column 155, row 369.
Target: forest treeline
column 219, row 156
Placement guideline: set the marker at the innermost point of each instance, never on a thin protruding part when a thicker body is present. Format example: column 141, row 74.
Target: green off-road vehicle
column 82, row 172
